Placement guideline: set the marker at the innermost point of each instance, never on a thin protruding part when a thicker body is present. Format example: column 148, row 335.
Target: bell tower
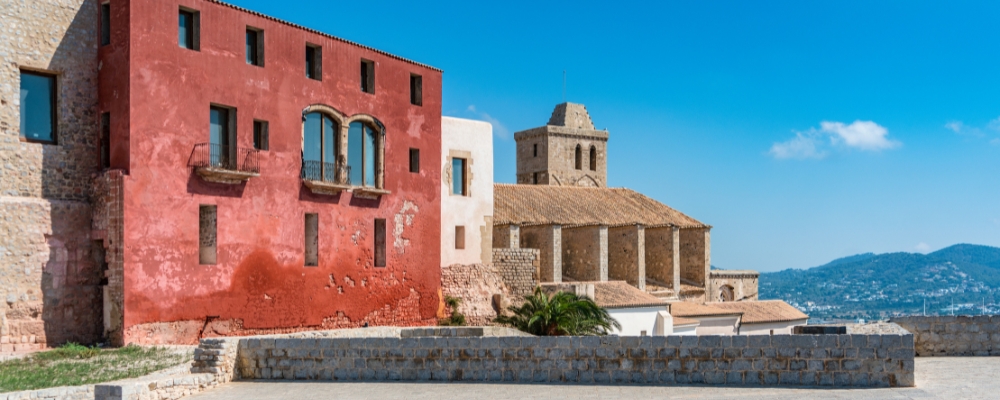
column 568, row 151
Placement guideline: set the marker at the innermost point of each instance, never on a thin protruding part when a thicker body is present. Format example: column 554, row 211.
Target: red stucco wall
column 260, row 283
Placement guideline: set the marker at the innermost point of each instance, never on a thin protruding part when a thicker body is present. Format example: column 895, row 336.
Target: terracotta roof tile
column 619, row 294
column 686, row 309
column 757, row 312
column 580, row 206
column 685, row 321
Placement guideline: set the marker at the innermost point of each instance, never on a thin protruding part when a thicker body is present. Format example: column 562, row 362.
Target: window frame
column 367, row 76
column 379, row 244
column 105, row 38
column 316, row 72
column 336, row 135
column 53, row 105
column 310, row 257
column 459, row 237
column 464, row 162
column 416, row 90
column 202, row 260
column 378, row 152
column 261, row 135
column 194, row 33
column 255, row 53
column 414, row 160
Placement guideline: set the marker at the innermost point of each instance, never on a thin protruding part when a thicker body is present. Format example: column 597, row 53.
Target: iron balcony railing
column 232, row 158
column 326, row 172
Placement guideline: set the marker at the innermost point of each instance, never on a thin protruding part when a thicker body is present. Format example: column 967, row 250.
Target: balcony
column 326, row 178
column 225, row 164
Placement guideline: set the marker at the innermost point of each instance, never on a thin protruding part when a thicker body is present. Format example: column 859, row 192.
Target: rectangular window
column 221, row 136
column 416, row 90
column 379, row 242
column 415, row 161
column 534, row 178
column 188, row 29
column 460, row 237
column 260, row 136
column 105, row 140
column 535, row 151
column 207, row 230
column 367, row 76
column 255, row 47
column 38, row 107
column 314, row 62
column 312, row 240
column 105, row 24
column 458, row 176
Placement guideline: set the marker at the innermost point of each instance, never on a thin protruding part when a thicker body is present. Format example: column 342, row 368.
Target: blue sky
column 802, row 131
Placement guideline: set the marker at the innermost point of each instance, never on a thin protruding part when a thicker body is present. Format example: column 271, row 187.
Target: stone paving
column 937, row 377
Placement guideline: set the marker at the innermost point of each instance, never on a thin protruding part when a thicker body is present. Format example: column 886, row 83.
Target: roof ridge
column 318, row 32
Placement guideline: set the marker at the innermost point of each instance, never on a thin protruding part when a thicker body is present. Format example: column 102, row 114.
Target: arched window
column 363, row 151
column 320, row 148
column 593, row 158
column 726, row 293
column 579, row 157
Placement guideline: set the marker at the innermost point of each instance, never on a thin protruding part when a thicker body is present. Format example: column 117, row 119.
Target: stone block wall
column 695, row 260
column 585, row 253
column 506, row 236
column 476, row 285
column 548, row 240
column 732, row 285
column 627, row 255
column 779, row 360
column 661, row 255
column 519, row 270
column 953, row 335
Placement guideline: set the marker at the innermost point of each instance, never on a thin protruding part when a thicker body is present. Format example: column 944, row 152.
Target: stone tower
column 567, row 151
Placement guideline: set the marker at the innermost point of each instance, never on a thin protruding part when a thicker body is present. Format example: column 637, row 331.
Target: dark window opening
column 207, row 240
column 534, row 178
column 379, row 242
column 415, row 161
column 314, row 62
column 416, row 90
column 579, row 157
column 260, row 135
column 368, row 76
column 38, row 107
column 458, row 185
column 593, row 158
column 255, row 47
column 535, row 150
column 188, row 29
column 312, row 240
column 459, row 237
column 105, row 24
column 105, row 140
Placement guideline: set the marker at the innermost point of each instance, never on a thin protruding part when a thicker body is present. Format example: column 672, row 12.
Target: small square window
column 188, row 28
column 458, row 172
column 459, row 237
column 415, row 161
column 38, row 107
column 314, row 62
column 416, row 90
column 255, row 47
column 368, row 76
column 260, row 135
column 105, row 24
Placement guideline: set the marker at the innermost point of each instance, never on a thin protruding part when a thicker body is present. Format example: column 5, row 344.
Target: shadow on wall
column 71, row 277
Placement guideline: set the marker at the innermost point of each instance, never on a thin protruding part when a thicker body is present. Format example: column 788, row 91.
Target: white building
column 767, row 317
column 466, row 191
column 711, row 320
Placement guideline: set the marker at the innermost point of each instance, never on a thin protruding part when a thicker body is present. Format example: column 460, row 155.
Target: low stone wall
column 954, row 335
column 519, row 270
column 779, row 360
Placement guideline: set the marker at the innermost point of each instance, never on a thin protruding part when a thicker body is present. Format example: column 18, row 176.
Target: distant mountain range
column 961, row 279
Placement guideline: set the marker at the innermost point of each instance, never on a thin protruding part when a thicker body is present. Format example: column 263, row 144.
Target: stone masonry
column 954, row 335
column 779, row 360
column 476, row 285
column 547, row 155
column 519, row 270
column 50, row 267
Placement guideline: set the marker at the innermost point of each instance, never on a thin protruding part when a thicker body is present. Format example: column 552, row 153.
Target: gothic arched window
column 593, row 158
column 579, row 157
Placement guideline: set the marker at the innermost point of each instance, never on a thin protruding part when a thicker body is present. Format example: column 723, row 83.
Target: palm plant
column 561, row 314
column 456, row 318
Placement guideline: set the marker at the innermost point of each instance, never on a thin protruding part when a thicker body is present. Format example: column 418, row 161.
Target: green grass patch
column 74, row 364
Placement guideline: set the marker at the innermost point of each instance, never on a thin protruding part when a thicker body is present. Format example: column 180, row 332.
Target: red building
column 262, row 177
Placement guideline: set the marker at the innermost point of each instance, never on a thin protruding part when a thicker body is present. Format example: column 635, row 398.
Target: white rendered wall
column 688, row 330
column 724, row 325
column 765, row 329
column 474, row 212
column 635, row 320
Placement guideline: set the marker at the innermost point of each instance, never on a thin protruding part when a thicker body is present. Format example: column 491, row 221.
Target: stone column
column 675, row 238
column 627, row 255
column 506, row 236
column 585, row 253
column 548, row 240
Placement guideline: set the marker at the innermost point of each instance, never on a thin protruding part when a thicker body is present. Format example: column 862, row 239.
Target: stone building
column 179, row 169
column 568, row 151
column 466, row 191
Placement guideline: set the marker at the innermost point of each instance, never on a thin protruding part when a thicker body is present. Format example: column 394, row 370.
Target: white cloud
column 813, row 143
column 922, row 248
column 864, row 135
column 801, row 147
column 955, row 126
column 498, row 127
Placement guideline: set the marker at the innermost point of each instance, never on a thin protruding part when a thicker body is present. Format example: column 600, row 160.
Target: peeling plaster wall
column 259, row 283
column 475, row 211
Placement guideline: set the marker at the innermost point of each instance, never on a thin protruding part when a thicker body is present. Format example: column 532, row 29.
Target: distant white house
column 711, row 320
column 638, row 312
column 767, row 317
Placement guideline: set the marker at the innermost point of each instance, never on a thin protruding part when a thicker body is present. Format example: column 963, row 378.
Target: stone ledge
column 220, row 175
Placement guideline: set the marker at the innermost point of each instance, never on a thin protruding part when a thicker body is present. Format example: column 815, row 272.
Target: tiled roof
column 619, row 294
column 678, row 321
column 686, row 309
column 757, row 312
column 581, row 206
column 320, row 33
